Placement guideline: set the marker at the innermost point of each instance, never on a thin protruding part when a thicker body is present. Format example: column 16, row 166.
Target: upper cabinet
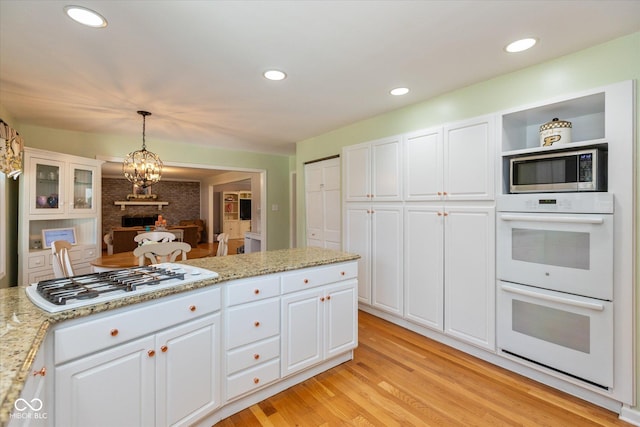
column 454, row 162
column 372, row 171
column 59, row 187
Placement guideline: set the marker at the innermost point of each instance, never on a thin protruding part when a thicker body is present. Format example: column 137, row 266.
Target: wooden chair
column 161, row 252
column 154, row 236
column 61, row 261
column 223, row 247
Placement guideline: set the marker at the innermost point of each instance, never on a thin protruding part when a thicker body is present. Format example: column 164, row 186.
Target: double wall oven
column 555, row 282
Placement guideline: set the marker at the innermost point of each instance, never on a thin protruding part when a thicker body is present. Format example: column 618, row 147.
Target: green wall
column 109, row 146
column 600, row 65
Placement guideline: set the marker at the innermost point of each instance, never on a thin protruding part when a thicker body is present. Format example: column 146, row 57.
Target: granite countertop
column 23, row 326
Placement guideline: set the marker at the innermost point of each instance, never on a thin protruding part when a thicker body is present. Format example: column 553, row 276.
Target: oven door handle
column 559, row 218
column 553, row 298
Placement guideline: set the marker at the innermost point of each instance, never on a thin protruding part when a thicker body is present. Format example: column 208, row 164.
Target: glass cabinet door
column 83, row 186
column 47, row 186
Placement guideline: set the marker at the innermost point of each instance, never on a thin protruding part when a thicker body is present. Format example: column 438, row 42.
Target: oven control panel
column 556, row 202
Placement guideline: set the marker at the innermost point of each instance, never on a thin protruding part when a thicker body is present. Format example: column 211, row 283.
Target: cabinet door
column 357, row 173
column 82, row 180
column 331, row 206
column 470, row 275
column 423, row 165
column 386, row 175
column 423, row 265
column 315, row 218
column 469, row 160
column 115, row 387
column 301, row 330
column 46, row 186
column 357, row 239
column 36, row 392
column 341, row 318
column 386, row 258
column 188, row 371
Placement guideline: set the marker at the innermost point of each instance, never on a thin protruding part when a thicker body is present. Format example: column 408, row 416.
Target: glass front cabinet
column 58, row 187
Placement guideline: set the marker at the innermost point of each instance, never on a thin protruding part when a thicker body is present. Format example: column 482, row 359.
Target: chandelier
column 142, row 167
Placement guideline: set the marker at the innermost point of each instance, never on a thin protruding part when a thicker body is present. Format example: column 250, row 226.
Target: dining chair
column 61, row 261
column 154, row 236
column 223, row 247
column 161, row 252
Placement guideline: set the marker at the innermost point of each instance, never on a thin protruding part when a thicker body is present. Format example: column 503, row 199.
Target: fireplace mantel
column 123, row 204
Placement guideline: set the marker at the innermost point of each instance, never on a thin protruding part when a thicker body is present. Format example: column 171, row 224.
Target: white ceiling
column 197, row 65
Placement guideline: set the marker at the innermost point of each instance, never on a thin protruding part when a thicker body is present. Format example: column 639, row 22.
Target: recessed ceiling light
column 85, row 16
column 399, row 91
column 520, row 45
column 274, row 75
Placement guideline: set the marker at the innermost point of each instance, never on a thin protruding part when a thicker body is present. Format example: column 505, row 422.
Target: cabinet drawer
column 252, row 355
column 86, row 335
column 312, row 277
column 242, row 291
column 252, row 379
column 41, row 275
column 37, row 261
column 252, row 322
column 89, row 254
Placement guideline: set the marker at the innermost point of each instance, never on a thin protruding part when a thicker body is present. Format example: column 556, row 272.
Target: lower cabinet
column 152, row 365
column 449, row 270
column 318, row 324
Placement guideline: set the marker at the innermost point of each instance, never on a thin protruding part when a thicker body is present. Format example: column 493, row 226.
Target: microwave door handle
column 553, row 298
column 554, row 218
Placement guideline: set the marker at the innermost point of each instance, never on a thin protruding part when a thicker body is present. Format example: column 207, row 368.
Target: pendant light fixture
column 142, row 167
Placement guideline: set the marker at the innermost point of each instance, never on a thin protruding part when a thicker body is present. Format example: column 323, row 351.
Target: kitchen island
column 24, row 327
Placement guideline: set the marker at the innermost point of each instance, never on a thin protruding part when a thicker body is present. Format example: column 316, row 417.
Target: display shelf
column 601, row 143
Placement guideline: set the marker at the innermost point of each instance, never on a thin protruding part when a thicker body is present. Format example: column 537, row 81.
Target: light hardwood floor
column 399, row 378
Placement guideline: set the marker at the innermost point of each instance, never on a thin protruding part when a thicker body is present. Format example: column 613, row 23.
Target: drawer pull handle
column 256, row 324
column 256, row 380
column 306, row 281
column 164, row 348
column 42, row 371
column 255, row 356
column 114, row 332
column 192, row 307
column 151, row 353
column 256, row 291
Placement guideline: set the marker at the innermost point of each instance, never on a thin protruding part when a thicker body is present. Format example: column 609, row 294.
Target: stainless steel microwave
column 580, row 170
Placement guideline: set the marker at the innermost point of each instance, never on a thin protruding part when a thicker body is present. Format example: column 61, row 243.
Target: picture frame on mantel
column 140, row 193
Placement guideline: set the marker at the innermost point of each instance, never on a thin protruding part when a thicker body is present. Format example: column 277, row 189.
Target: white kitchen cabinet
column 322, row 198
column 33, row 408
column 318, row 324
column 372, row 171
column 450, row 270
column 57, row 191
column 469, row 274
column 375, row 233
column 153, row 365
column 454, row 162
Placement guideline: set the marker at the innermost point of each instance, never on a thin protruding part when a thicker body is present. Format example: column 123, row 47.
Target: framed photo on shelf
column 52, row 234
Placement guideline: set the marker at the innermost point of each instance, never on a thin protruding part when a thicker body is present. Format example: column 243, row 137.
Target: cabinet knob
column 328, row 297
column 114, row 332
column 444, row 193
column 445, row 214
column 256, row 323
column 151, row 353
column 342, row 273
column 322, row 299
column 306, row 281
column 439, row 193
column 256, row 380
column 439, row 213
column 256, row 356
column 42, row 372
column 192, row 307
column 256, row 291
column 164, row 348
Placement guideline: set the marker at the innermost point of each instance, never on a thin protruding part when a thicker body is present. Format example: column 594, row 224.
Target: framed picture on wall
column 139, row 191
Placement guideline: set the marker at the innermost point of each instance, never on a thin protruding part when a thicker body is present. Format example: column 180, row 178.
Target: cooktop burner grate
column 60, row 291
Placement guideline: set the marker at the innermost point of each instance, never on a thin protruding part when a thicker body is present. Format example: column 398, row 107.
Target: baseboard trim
column 630, row 415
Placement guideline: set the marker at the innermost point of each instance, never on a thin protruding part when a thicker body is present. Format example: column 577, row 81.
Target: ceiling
column 197, row 65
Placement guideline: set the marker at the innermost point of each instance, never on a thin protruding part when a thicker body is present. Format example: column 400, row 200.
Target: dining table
column 128, row 259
